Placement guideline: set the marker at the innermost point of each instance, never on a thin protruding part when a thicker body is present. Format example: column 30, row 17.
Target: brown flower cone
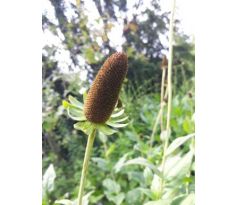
column 104, row 92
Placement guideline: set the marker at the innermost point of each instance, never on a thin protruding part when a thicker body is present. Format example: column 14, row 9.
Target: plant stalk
column 170, row 62
column 89, row 147
column 159, row 118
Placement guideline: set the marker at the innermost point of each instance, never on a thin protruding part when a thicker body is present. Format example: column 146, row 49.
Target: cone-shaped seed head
column 103, row 94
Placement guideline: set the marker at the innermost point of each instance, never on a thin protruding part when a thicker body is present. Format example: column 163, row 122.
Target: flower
column 99, row 110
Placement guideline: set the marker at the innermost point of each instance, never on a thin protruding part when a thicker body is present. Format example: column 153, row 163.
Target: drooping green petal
column 116, row 125
column 106, row 130
column 75, row 102
column 119, row 119
column 78, row 117
column 85, row 126
column 117, row 114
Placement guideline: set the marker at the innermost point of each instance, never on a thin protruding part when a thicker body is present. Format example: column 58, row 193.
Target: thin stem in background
column 170, row 62
column 159, row 118
column 91, row 138
column 162, row 98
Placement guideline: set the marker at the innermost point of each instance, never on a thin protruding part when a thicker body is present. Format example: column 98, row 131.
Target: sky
column 184, row 12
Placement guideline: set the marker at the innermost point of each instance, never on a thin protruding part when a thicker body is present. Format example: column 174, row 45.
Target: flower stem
column 170, row 62
column 91, row 138
column 159, row 118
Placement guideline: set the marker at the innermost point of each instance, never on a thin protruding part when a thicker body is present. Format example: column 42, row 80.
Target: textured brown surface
column 103, row 94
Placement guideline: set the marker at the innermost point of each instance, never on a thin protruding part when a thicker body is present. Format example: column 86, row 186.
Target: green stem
column 159, row 118
column 91, row 138
column 170, row 62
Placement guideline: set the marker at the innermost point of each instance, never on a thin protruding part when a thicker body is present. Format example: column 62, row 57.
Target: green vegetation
column 125, row 167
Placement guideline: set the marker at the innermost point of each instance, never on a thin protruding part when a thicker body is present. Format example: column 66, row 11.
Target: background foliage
column 112, row 177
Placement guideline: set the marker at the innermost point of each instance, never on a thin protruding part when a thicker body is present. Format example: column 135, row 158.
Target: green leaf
column 86, row 198
column 177, row 143
column 116, row 199
column 111, row 186
column 75, row 102
column 180, row 166
column 48, row 179
column 134, row 196
column 64, row 202
column 155, row 186
column 184, row 200
column 159, row 202
column 142, row 161
column 106, row 130
column 148, row 175
column 120, row 163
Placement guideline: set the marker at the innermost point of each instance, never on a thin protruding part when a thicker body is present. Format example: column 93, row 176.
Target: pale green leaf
column 111, row 186
column 48, row 179
column 159, row 202
column 180, row 168
column 64, row 202
column 120, row 163
column 184, row 200
column 155, row 186
column 144, row 162
column 177, row 143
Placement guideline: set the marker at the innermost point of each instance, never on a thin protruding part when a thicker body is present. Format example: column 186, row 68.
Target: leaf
column 48, row 179
column 180, row 168
column 184, row 200
column 75, row 102
column 111, row 186
column 64, row 202
column 86, row 198
column 148, row 175
column 144, row 162
column 177, row 143
column 117, row 167
column 106, row 130
column 116, row 199
column 155, row 186
column 134, row 196
column 159, row 202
